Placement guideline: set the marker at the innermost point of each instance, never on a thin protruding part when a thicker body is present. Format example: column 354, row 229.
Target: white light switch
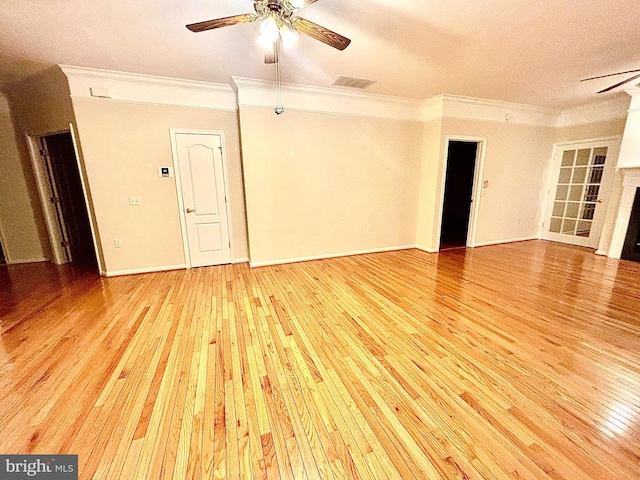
column 135, row 201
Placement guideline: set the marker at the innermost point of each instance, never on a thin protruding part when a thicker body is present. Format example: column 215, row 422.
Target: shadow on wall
column 37, row 105
column 30, row 182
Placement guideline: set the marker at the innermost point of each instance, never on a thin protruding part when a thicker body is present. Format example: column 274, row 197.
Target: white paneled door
column 582, row 179
column 201, row 177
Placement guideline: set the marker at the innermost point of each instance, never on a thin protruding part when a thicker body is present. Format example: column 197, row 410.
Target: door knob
column 191, row 210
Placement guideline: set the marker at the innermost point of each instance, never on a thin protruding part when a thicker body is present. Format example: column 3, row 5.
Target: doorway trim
column 44, row 190
column 476, row 193
column 3, row 245
column 93, row 224
column 178, row 181
column 552, row 182
column 45, row 193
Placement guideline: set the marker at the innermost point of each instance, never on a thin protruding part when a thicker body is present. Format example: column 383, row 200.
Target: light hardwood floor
column 514, row 361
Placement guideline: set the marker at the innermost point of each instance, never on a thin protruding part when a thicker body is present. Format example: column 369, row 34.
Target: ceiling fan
column 279, row 23
column 619, row 84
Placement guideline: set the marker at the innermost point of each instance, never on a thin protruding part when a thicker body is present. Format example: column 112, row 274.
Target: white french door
column 203, row 197
column 582, row 175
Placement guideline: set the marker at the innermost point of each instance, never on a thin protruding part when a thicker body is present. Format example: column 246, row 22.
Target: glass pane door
column 577, row 191
column 583, row 176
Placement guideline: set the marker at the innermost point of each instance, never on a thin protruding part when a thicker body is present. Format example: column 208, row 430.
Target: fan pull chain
column 279, row 110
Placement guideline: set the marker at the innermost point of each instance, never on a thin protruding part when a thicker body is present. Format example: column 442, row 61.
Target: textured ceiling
column 527, row 51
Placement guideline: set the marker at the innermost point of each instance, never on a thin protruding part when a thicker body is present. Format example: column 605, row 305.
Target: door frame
column 476, row 193
column 178, row 181
column 93, row 223
column 56, row 236
column 45, row 193
column 3, row 245
column 554, row 167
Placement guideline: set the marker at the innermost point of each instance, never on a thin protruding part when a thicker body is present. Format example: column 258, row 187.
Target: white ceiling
column 526, row 51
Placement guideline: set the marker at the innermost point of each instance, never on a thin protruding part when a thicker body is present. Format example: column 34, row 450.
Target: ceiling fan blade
column 320, row 33
column 610, row 75
column 222, row 22
column 620, row 83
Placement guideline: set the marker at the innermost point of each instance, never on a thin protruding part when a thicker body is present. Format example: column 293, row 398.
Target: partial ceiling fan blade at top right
column 620, row 84
column 320, row 33
column 609, row 75
column 222, row 22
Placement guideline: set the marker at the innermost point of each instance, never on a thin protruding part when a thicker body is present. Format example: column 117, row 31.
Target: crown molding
column 433, row 108
column 248, row 92
column 469, row 108
column 148, row 89
column 263, row 94
column 602, row 111
column 634, row 92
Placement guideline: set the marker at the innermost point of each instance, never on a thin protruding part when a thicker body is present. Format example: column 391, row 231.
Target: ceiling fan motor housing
column 274, row 6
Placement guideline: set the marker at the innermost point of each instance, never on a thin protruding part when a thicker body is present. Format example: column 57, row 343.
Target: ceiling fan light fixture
column 265, row 43
column 288, row 35
column 268, row 33
column 274, row 16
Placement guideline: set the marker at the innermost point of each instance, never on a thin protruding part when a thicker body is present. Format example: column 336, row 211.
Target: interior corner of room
column 352, row 179
column 317, row 182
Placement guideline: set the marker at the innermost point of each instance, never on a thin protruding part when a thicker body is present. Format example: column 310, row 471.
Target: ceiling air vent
column 350, row 82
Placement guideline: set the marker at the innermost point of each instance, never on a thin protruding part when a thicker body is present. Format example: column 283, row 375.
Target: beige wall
column 123, row 144
column 19, row 231
column 430, row 175
column 39, row 105
column 592, row 130
column 516, row 166
column 315, row 182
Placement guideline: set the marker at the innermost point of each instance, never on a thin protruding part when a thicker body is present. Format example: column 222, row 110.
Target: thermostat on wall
column 165, row 172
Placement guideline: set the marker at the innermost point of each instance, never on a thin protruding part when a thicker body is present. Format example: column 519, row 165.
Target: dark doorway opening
column 68, row 197
column 3, row 260
column 631, row 248
column 458, row 190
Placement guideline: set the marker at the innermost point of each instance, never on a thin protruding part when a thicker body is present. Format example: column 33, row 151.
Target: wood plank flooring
column 517, row 361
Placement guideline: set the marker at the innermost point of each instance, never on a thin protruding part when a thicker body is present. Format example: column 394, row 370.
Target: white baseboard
column 604, row 253
column 510, row 240
column 166, row 268
column 325, row 256
column 426, row 249
column 27, row 260
column 135, row 271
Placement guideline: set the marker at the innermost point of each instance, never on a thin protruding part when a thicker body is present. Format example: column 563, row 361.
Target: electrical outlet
column 135, row 201
column 117, row 243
